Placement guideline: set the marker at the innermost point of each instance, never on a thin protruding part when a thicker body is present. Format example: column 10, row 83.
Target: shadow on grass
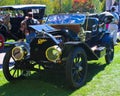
column 50, row 83
column 93, row 69
column 38, row 84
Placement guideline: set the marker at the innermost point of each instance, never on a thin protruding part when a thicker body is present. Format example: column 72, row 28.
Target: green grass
column 102, row 80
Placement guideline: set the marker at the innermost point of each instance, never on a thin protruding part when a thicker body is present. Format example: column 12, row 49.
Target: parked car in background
column 11, row 17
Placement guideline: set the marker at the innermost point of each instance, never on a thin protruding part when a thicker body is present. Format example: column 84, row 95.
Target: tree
column 66, row 5
column 60, row 6
column 99, row 5
column 82, row 6
column 5, row 2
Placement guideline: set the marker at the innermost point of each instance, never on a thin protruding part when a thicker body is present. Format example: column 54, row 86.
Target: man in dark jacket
column 30, row 21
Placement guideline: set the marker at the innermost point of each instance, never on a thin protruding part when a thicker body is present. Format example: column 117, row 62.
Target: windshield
column 12, row 13
column 66, row 19
column 22, row 10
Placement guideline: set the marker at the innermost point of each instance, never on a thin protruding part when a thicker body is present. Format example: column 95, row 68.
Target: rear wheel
column 76, row 68
column 109, row 52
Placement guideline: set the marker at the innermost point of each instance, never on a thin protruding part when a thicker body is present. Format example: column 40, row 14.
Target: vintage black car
column 65, row 40
column 11, row 17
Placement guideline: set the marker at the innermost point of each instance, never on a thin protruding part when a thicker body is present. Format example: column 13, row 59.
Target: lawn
column 102, row 80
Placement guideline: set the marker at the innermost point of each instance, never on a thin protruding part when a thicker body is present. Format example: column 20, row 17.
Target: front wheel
column 11, row 68
column 76, row 67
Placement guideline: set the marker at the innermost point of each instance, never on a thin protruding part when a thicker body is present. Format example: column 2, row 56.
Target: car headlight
column 18, row 53
column 53, row 53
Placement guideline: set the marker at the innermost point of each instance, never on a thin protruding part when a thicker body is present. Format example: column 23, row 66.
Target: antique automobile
column 65, row 40
column 11, row 17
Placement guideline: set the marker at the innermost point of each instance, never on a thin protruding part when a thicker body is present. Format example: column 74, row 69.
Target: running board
column 100, row 51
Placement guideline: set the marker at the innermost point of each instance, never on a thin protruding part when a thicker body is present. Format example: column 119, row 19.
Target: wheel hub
column 80, row 68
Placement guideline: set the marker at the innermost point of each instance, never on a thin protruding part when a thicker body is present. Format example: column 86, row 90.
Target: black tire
column 109, row 52
column 10, row 67
column 76, row 68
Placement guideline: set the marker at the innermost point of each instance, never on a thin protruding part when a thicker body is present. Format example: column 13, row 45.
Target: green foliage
column 60, row 6
column 5, row 2
column 103, row 5
column 99, row 5
column 83, row 6
column 66, row 6
column 56, row 6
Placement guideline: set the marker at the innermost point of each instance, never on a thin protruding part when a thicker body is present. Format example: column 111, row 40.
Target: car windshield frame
column 75, row 18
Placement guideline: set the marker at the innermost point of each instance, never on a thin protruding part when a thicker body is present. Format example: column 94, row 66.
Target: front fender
column 21, row 44
column 70, row 45
column 107, row 39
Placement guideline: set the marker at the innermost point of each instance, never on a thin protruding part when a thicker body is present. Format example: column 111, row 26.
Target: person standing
column 23, row 26
column 116, row 7
column 113, row 26
column 28, row 31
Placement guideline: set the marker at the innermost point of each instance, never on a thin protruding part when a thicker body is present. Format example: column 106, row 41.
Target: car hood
column 43, row 27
